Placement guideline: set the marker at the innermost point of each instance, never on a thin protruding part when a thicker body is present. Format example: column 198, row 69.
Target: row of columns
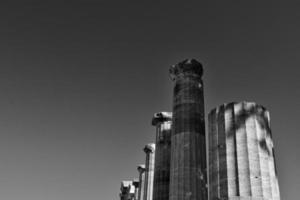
column 153, row 185
column 154, row 176
column 241, row 157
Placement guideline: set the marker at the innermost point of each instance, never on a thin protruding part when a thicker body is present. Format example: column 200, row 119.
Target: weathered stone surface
column 162, row 121
column 149, row 170
column 188, row 67
column 188, row 152
column 241, row 155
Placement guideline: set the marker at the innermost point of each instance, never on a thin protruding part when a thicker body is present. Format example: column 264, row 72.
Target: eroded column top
column 135, row 182
column 161, row 117
column 125, row 185
column 188, row 67
column 141, row 168
column 244, row 110
column 250, row 108
column 149, row 148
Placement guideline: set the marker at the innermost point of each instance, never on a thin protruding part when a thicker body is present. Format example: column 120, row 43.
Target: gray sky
column 80, row 81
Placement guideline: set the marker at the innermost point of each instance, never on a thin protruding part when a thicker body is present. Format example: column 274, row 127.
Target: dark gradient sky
column 80, row 81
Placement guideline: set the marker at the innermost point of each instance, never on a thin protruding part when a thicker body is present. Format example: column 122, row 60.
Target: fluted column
column 149, row 171
column 141, row 170
column 162, row 121
column 188, row 152
column 241, row 155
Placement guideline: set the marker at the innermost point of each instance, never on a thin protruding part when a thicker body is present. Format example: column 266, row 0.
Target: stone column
column 124, row 190
column 127, row 190
column 241, row 155
column 149, row 171
column 188, row 153
column 162, row 121
column 136, row 184
column 141, row 170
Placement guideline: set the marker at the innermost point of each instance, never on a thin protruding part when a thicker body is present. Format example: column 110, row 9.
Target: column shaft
column 149, row 171
column 241, row 155
column 188, row 153
column 162, row 121
column 141, row 170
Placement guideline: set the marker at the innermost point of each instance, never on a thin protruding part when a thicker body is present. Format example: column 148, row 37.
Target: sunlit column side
column 141, row 170
column 149, row 171
column 162, row 121
column 241, row 155
column 188, row 152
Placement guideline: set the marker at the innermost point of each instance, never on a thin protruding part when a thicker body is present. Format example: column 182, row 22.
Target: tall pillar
column 241, row 154
column 188, row 153
column 141, row 170
column 162, row 121
column 149, row 171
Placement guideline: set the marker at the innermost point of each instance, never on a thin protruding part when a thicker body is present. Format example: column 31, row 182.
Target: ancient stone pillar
column 141, row 170
column 136, row 184
column 149, row 171
column 241, row 154
column 127, row 190
column 188, row 153
column 162, row 121
column 124, row 190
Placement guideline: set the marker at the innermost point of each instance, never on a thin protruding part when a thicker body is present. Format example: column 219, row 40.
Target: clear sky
column 80, row 81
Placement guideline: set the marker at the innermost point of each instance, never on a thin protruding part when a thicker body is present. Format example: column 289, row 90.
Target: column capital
column 188, row 67
column 141, row 168
column 135, row 182
column 125, row 185
column 149, row 148
column 161, row 117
